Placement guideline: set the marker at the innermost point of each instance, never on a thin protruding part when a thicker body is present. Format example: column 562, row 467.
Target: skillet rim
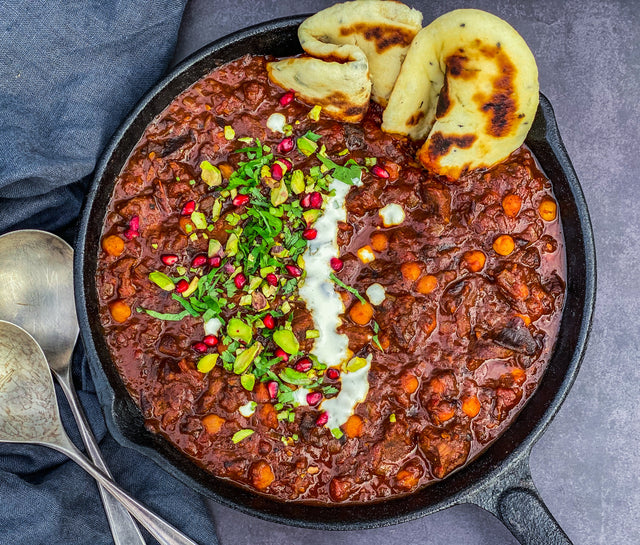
column 124, row 420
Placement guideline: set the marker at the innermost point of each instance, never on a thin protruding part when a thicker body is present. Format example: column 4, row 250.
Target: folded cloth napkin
column 69, row 73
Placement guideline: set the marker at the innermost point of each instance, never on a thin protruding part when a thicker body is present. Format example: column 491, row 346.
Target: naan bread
column 469, row 84
column 358, row 48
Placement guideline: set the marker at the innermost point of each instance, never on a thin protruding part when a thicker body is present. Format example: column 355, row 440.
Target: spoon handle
column 123, row 528
column 158, row 527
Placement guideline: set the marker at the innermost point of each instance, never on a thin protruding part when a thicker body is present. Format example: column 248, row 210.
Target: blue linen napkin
column 69, row 73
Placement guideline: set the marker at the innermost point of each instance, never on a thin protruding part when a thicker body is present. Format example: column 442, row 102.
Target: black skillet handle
column 514, row 500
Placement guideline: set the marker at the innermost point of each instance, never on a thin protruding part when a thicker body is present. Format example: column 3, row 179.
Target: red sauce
column 465, row 332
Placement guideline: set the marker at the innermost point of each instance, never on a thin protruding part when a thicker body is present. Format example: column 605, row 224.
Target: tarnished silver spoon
column 36, row 293
column 29, row 414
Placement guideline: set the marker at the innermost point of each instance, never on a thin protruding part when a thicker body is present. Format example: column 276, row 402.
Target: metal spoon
column 36, row 293
column 29, row 414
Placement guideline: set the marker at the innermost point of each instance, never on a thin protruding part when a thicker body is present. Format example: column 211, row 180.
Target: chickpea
column 427, row 284
column 511, row 205
column 548, row 209
column 471, row 406
column 411, row 271
column 113, row 245
column 120, row 311
column 361, row 313
column 504, row 245
column 474, row 260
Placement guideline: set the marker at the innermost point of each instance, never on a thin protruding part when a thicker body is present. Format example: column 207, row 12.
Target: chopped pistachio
column 312, row 334
column 314, row 114
column 231, row 247
column 246, row 357
column 193, row 236
column 279, row 194
column 239, row 330
column 297, row 182
column 210, row 174
column 193, row 286
column 286, row 340
column 208, row 362
column 162, row 281
column 311, row 216
column 245, row 301
column 286, row 307
column 214, row 247
column 229, row 133
column 370, row 161
column 181, row 270
column 241, row 435
column 354, row 364
column 392, row 417
column 337, row 433
column 199, row 220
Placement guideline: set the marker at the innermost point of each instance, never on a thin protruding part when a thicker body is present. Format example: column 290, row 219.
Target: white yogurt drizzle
column 355, row 387
column 318, row 290
column 326, row 305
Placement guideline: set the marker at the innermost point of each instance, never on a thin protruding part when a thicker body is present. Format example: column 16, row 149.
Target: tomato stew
column 300, row 308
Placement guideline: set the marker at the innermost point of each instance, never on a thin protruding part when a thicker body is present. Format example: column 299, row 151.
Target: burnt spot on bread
column 440, row 144
column 500, row 106
column 458, row 66
column 383, row 36
column 415, row 118
column 444, row 100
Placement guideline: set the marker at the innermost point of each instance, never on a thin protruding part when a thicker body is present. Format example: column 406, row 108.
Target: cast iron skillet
column 498, row 481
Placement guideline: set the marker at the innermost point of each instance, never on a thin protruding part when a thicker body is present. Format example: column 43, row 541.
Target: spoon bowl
column 36, row 293
column 29, row 414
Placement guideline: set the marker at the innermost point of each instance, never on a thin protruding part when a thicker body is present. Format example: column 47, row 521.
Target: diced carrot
column 511, row 205
column 213, row 423
column 409, row 383
column 444, row 411
column 379, row 242
column 361, row 313
column 384, row 342
column 548, row 209
column 113, row 245
column 406, row 479
column 471, row 406
column 474, row 260
column 262, row 393
column 186, row 225
column 519, row 375
column 353, row 426
column 427, row 284
column 411, row 271
column 504, row 245
column 152, row 155
column 524, row 317
column 120, row 311
column 261, row 475
column 226, row 170
column 268, row 416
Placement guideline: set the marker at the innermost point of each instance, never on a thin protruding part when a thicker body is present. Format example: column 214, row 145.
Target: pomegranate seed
column 200, row 347
column 229, row 268
column 333, row 373
column 240, row 200
column 286, row 145
column 269, row 322
column 288, row 164
column 277, row 172
column 303, row 365
column 272, row 279
column 188, row 208
column 131, row 234
column 169, row 259
column 182, row 286
column 306, row 201
column 215, row 261
column 316, row 200
column 322, row 419
column 287, row 98
column 309, row 234
column 134, row 223
column 336, row 264
column 210, row 340
column 199, row 260
column 240, row 281
column 272, row 388
column 313, row 398
column 279, row 353
column 293, row 270
column 380, row 172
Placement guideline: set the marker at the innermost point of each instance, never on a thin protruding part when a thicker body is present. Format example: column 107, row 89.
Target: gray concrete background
column 586, row 466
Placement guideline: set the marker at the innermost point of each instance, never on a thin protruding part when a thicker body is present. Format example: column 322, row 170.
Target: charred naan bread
column 469, row 84
column 358, row 48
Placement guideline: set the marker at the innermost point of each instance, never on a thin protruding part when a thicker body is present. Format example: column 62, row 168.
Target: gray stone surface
column 586, row 466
